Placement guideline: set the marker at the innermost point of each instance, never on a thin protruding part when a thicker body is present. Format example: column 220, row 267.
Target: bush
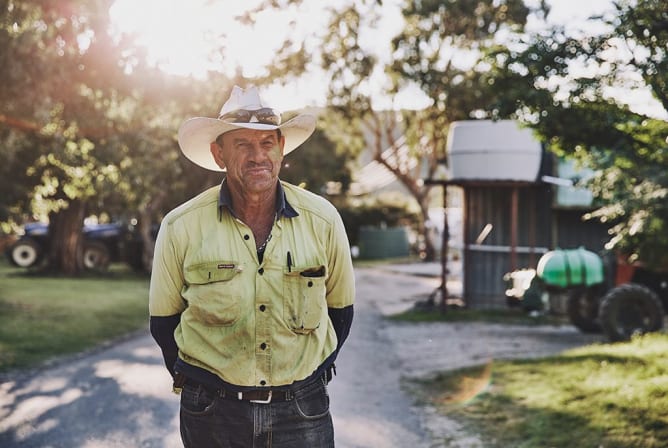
column 375, row 213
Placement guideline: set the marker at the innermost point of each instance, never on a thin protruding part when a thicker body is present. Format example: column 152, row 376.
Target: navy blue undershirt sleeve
column 342, row 319
column 162, row 330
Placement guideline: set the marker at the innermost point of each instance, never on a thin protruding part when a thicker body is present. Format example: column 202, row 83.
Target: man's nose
column 256, row 152
column 255, row 149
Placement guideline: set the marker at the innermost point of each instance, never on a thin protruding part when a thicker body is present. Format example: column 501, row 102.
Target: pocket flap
column 212, row 271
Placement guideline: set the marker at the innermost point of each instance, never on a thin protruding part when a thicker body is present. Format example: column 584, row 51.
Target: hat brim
column 196, row 134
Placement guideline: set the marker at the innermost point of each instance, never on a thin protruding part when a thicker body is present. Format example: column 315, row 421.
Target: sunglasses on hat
column 265, row 115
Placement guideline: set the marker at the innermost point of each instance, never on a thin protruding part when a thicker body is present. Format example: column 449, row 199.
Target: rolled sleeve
column 341, row 280
column 166, row 275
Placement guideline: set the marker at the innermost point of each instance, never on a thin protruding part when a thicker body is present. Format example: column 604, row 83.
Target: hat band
column 265, row 115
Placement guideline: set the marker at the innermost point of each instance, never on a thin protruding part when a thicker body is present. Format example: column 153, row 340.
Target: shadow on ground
column 119, row 400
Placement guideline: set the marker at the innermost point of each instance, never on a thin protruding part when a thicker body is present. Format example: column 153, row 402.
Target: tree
column 425, row 54
column 318, row 167
column 87, row 126
column 574, row 111
column 57, row 64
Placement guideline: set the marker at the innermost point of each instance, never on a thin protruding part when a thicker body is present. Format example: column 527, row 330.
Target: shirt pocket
column 210, row 292
column 304, row 298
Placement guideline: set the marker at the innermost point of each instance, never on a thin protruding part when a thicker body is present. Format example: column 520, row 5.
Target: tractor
column 103, row 244
column 602, row 293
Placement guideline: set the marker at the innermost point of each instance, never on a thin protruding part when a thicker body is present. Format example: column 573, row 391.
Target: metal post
column 444, row 251
column 514, row 207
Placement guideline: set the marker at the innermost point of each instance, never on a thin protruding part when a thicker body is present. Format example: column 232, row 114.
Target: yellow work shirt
column 253, row 324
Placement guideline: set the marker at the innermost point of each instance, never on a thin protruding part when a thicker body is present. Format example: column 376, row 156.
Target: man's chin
column 259, row 181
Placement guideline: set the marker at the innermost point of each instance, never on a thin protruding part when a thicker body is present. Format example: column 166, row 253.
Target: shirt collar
column 283, row 207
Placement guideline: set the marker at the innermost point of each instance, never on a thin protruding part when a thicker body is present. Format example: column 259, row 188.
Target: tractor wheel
column 630, row 309
column 96, row 256
column 25, row 253
column 582, row 309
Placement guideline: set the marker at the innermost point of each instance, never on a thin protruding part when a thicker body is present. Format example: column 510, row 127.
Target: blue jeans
column 209, row 421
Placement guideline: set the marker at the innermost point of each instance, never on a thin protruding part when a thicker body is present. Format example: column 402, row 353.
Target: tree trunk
column 148, row 243
column 146, row 215
column 65, row 230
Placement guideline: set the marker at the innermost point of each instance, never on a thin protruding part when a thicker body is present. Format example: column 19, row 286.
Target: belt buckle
column 267, row 401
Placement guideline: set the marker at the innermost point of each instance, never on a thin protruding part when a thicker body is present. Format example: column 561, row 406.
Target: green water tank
column 570, row 267
column 387, row 242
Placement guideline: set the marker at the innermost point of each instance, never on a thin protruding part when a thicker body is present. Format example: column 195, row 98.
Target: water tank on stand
column 487, row 150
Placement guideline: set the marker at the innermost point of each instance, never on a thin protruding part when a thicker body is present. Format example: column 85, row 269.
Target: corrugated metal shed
column 509, row 224
column 506, row 227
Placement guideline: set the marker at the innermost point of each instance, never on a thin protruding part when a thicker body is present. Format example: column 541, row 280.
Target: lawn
column 510, row 316
column 44, row 317
column 603, row 395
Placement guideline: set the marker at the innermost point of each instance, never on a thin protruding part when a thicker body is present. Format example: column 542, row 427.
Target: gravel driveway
column 119, row 396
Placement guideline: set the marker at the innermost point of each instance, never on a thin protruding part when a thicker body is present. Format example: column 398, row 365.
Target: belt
column 262, row 396
column 257, row 396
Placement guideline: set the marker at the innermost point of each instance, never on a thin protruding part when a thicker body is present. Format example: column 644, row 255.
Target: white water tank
column 489, row 150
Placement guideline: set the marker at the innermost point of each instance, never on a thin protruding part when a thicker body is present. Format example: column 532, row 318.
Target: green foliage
column 349, row 65
column 85, row 120
column 605, row 395
column 425, row 53
column 59, row 82
column 438, row 36
column 375, row 213
column 575, row 115
column 318, row 166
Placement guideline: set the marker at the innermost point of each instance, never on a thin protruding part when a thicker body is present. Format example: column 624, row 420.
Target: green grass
column 603, row 395
column 376, row 262
column 42, row 317
column 514, row 316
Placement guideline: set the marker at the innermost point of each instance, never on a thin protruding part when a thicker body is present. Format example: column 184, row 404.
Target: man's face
column 253, row 158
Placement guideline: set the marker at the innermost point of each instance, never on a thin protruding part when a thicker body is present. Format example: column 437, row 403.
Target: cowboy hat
column 244, row 109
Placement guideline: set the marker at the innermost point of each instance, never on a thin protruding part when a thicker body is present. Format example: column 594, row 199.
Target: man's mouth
column 258, row 169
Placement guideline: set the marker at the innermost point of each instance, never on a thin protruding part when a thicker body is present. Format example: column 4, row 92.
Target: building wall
column 572, row 231
column 487, row 259
column 540, row 228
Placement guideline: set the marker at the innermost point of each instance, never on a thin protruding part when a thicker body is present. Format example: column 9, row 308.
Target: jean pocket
column 197, row 401
column 313, row 403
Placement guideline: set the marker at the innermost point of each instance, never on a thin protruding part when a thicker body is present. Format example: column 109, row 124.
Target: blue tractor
column 103, row 244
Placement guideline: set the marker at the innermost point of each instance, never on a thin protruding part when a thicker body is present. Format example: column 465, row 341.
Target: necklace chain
column 263, row 245
column 266, row 241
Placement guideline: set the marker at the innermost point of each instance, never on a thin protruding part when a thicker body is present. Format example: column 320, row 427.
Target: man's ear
column 281, row 144
column 217, row 153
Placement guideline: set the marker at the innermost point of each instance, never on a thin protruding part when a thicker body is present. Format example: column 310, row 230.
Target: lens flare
column 468, row 387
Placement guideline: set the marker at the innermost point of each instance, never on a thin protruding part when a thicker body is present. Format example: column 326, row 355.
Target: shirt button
column 260, row 271
column 263, row 382
column 246, row 237
column 263, row 346
column 310, row 283
column 262, row 308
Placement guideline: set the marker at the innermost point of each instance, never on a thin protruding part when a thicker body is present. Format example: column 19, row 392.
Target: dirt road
column 120, row 396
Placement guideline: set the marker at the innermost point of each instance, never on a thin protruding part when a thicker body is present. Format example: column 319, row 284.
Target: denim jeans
column 209, row 421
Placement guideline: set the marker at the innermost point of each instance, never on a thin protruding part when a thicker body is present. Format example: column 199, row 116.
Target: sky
column 178, row 34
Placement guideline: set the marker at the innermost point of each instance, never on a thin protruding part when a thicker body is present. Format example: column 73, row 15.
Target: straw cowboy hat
column 244, row 109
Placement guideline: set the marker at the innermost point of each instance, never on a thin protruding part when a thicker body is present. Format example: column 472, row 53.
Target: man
column 252, row 288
